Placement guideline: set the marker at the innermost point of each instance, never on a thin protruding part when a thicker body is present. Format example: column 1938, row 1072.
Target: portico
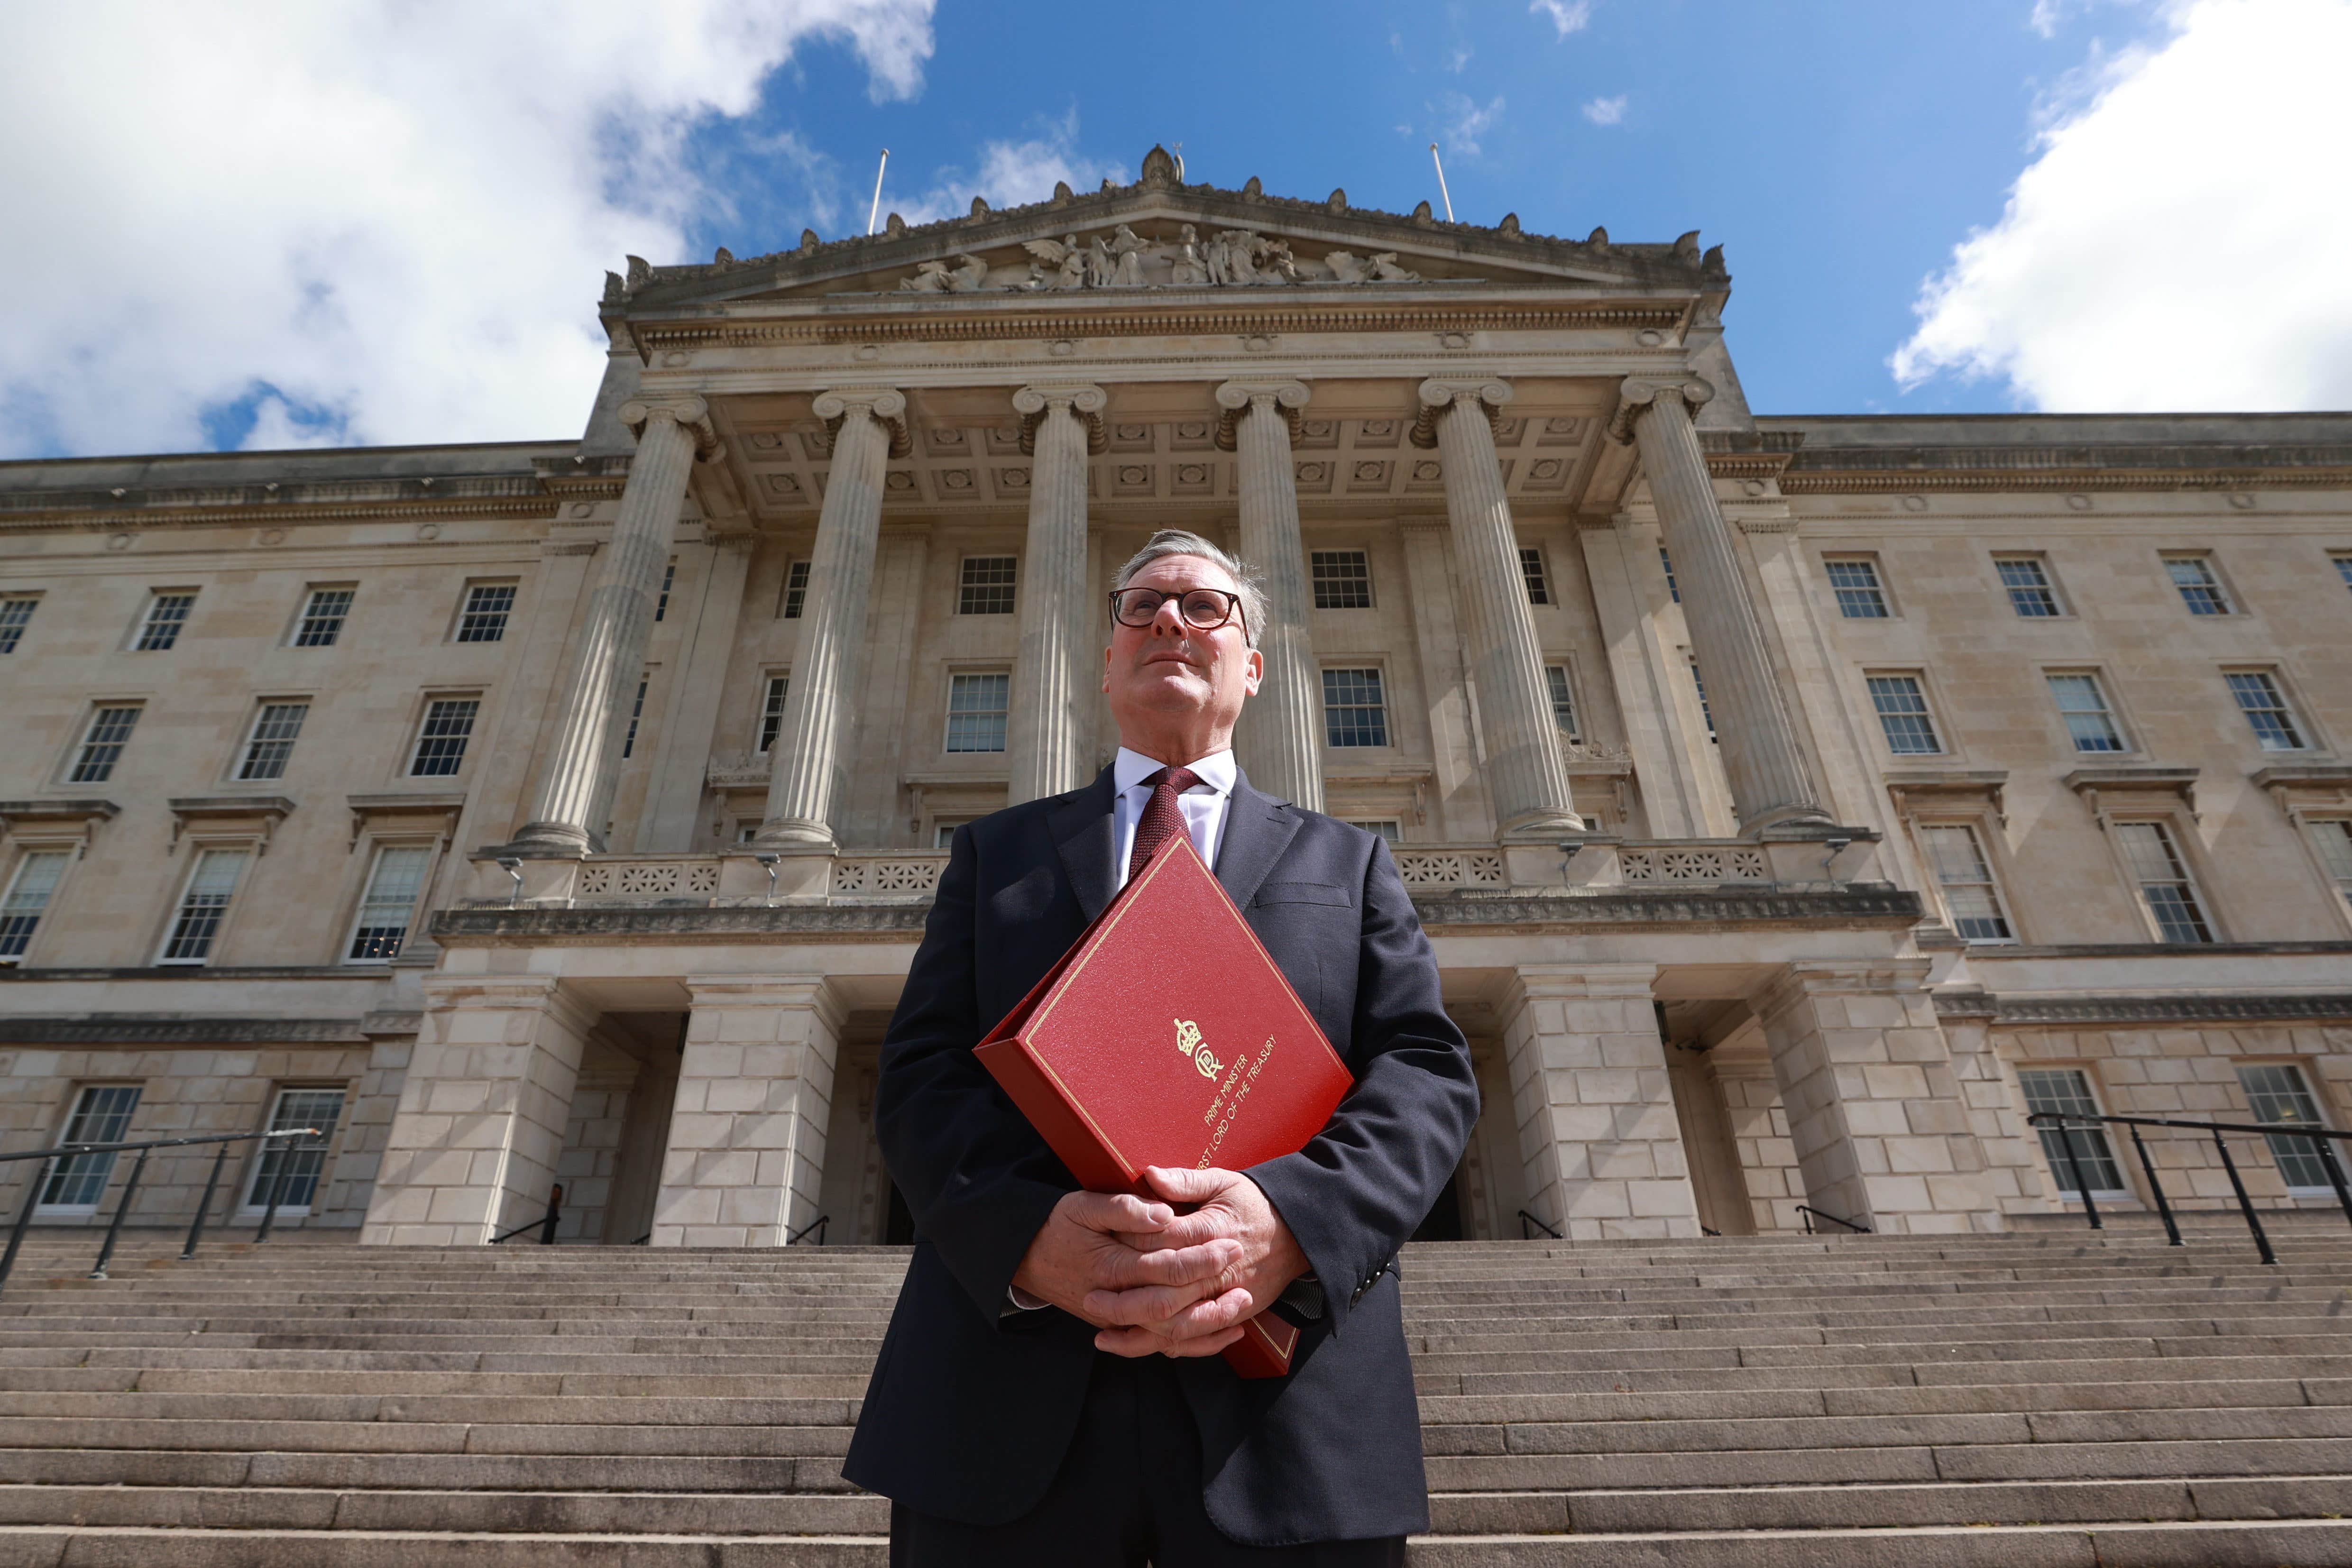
column 917, row 478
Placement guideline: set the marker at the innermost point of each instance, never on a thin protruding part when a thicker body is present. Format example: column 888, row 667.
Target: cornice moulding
column 2207, row 1006
column 1097, row 322
column 153, row 1028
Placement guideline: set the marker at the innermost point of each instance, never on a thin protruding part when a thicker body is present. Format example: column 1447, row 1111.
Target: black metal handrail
column 1811, row 1214
column 2321, row 1139
column 545, row 1223
column 817, row 1225
column 1526, row 1219
column 130, row 1188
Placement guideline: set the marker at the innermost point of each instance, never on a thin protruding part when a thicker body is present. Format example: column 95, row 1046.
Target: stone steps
column 2051, row 1397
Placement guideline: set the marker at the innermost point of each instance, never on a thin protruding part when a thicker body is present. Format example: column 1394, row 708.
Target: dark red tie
column 1164, row 818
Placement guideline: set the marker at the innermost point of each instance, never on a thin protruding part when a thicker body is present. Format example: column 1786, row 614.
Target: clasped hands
column 1155, row 1281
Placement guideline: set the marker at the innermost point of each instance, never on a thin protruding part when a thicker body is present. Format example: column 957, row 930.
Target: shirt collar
column 1216, row 770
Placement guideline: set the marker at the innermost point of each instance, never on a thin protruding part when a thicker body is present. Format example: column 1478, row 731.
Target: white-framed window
column 1355, row 707
column 977, row 705
column 2083, row 705
column 1698, row 685
column 772, row 709
column 1903, row 715
column 102, row 1114
column 795, row 592
column 1860, row 595
column 166, row 617
column 2164, row 888
column 102, row 742
column 292, row 1167
column 30, row 888
column 669, row 580
column 2331, row 837
column 2200, row 585
column 1531, row 567
column 203, row 905
column 2068, row 1090
column 2275, row 1091
column 943, row 830
column 441, row 738
column 388, row 904
column 636, row 714
column 2031, row 594
column 2343, row 568
column 1666, row 565
column 1965, row 878
column 271, row 740
column 1387, row 827
column 1343, row 579
column 482, row 618
column 986, row 587
column 15, row 614
column 1562, row 693
column 2265, row 705
column 324, row 611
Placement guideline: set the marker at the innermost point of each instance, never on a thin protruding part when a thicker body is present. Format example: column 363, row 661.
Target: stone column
column 806, row 772
column 754, row 1096
column 1045, row 750
column 1280, row 737
column 1523, row 769
column 706, row 645
column 473, row 1147
column 1770, row 780
column 1594, row 1102
column 575, row 784
column 1883, row 1133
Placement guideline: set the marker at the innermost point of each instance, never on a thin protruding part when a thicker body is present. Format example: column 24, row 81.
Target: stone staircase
column 2047, row 1397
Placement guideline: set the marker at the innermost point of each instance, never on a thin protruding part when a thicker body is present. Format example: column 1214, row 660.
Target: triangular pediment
column 1160, row 234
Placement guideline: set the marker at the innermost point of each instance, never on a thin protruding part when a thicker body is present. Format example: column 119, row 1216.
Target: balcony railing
column 739, row 878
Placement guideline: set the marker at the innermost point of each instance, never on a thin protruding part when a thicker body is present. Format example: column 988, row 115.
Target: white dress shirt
column 1203, row 804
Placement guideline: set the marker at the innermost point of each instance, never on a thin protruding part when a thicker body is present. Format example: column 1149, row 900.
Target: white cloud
column 1011, row 174
column 2172, row 245
column 1567, row 16
column 380, row 221
column 1606, row 110
column 1466, row 122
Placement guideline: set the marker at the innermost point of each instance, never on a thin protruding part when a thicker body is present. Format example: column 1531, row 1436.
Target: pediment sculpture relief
column 1238, row 259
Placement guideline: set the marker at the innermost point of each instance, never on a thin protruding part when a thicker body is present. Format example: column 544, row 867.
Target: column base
column 796, row 834
column 1793, row 822
column 548, row 841
column 1535, row 851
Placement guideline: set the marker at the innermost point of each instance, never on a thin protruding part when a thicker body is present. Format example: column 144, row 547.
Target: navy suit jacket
column 969, row 1410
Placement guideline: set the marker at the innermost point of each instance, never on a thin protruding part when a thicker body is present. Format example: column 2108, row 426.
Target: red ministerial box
column 1167, row 1035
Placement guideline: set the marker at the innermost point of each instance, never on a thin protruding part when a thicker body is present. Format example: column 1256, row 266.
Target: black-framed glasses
column 1204, row 609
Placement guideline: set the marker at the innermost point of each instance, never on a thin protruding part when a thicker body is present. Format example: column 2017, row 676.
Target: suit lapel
column 1258, row 828
column 1083, row 833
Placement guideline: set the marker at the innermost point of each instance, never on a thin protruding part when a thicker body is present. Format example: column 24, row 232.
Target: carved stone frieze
column 2163, row 1007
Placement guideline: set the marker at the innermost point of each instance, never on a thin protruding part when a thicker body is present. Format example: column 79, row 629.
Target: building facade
column 1794, row 803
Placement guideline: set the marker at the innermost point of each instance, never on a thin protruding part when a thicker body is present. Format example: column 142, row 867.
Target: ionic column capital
column 1237, row 398
column 1440, row 393
column 1084, row 400
column 887, row 406
column 689, row 413
column 1639, row 395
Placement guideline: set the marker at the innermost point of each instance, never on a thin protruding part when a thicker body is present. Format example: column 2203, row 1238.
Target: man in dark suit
column 1050, row 1393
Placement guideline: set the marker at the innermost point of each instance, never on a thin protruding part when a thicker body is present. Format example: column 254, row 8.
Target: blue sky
column 312, row 222
column 1838, row 152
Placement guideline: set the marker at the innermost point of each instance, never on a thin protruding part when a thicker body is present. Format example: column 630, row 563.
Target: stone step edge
column 1642, row 1540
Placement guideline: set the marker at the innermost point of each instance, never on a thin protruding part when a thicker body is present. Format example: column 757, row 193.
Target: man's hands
column 1156, row 1282
column 1088, row 1259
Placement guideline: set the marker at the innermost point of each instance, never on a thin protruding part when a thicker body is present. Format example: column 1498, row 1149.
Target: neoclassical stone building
column 1794, row 802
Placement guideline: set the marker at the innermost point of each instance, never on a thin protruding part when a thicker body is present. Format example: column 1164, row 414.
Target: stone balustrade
column 737, row 879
